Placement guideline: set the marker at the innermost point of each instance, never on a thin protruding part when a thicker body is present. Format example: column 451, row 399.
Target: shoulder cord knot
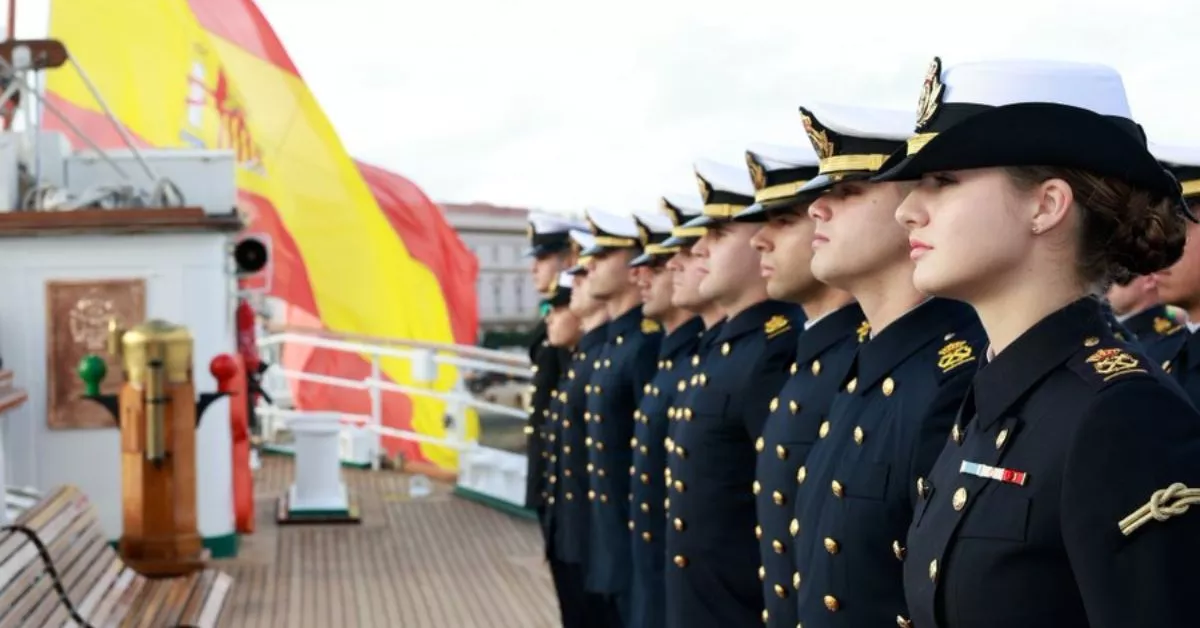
column 1163, row 504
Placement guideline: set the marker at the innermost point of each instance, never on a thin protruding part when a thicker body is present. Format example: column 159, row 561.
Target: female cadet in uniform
column 1059, row 499
column 898, row 397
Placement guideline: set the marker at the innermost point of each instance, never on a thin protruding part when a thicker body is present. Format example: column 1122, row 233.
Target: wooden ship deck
column 435, row 561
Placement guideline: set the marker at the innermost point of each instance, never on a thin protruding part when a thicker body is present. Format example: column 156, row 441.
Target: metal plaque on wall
column 77, row 318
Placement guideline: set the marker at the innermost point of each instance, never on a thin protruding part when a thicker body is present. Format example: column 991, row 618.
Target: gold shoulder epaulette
column 776, row 325
column 1113, row 362
column 650, row 326
column 954, row 354
column 1164, row 326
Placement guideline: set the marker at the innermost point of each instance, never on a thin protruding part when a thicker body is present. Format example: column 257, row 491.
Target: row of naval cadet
column 874, row 382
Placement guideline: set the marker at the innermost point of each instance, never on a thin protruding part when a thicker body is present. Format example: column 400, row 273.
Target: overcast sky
column 565, row 104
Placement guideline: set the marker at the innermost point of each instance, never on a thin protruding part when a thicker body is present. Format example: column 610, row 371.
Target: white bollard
column 318, row 491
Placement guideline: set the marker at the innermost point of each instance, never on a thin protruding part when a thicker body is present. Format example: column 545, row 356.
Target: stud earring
column 1036, row 230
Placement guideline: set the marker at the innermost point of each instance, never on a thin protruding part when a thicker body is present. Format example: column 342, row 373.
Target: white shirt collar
column 813, row 321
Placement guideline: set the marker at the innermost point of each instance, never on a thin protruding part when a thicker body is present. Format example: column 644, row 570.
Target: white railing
column 424, row 359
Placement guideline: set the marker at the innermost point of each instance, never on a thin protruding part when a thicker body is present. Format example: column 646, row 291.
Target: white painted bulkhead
column 189, row 282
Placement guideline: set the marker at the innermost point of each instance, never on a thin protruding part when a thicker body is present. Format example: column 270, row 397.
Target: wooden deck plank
column 433, row 562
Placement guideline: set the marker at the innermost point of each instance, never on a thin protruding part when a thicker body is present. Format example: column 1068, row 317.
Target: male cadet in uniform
column 550, row 248
column 569, row 515
column 823, row 353
column 1179, row 285
column 686, row 272
column 712, row 576
column 1139, row 310
column 899, row 397
column 624, row 367
column 647, row 490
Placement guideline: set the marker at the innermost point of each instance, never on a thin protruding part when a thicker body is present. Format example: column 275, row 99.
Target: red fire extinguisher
column 242, row 418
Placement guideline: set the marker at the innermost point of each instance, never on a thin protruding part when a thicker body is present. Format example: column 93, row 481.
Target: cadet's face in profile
column 785, row 243
column 686, row 272
column 609, row 273
column 659, row 288
column 966, row 231
column 1180, row 284
column 582, row 303
column 730, row 263
column 1124, row 298
column 856, row 236
column 562, row 327
column 546, row 269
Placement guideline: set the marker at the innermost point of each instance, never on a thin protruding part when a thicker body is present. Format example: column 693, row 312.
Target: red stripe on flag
column 431, row 241
column 242, row 24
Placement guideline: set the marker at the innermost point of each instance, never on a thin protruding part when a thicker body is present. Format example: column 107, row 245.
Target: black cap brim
column 763, row 210
column 599, row 249
column 676, row 242
column 540, row 250
column 1041, row 134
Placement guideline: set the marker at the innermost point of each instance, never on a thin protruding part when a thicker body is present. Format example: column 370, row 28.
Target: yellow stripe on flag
column 148, row 58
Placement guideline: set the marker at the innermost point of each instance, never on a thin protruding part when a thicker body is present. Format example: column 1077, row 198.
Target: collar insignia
column 776, row 325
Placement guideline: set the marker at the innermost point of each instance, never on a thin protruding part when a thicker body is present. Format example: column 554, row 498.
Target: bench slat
column 191, row 610
column 100, row 586
column 27, row 568
column 215, row 603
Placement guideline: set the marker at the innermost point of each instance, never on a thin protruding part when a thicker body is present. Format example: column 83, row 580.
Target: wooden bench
column 71, row 576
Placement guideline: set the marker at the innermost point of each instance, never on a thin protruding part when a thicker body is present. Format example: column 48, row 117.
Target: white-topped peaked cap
column 548, row 222
column 953, row 94
column 584, row 241
column 778, row 173
column 774, row 157
column 725, row 189
column 611, row 231
column 655, row 227
column 656, row 221
column 548, row 232
column 1056, row 114
column 682, row 206
column 1183, row 162
column 852, row 141
column 1175, row 155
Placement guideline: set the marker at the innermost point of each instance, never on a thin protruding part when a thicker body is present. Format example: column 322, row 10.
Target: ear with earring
column 1036, row 230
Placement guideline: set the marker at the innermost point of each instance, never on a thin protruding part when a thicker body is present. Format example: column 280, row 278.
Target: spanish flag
column 355, row 248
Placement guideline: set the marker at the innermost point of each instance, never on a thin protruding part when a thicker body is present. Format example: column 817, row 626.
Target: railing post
column 376, row 410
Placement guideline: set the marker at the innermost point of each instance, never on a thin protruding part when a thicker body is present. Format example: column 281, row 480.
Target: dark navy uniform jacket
column 707, row 341
column 547, row 364
column 823, row 353
column 1158, row 334
column 857, row 490
column 712, row 577
column 647, row 488
column 568, row 480
column 1064, row 434
column 623, row 368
